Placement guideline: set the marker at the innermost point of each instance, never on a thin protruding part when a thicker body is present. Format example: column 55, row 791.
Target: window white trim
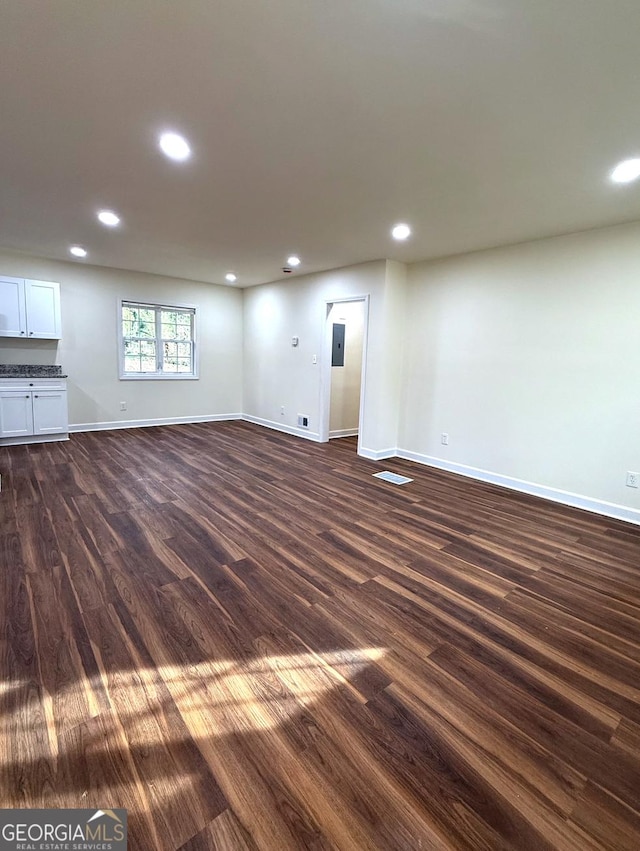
column 157, row 376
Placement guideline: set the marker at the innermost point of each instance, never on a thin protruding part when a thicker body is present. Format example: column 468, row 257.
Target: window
column 157, row 341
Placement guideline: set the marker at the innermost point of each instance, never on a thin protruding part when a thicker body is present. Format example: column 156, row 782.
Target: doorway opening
column 344, row 368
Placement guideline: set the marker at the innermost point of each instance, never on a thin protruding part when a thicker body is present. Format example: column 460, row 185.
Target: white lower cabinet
column 32, row 409
column 50, row 412
column 16, row 413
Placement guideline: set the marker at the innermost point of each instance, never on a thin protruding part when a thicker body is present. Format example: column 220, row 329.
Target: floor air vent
column 394, row 478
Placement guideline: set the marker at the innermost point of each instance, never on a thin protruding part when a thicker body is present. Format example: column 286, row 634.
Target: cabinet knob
column 30, row 333
column 27, row 396
column 36, row 396
column 31, row 384
column 22, row 332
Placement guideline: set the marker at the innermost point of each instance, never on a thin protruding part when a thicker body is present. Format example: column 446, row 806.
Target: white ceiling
column 315, row 126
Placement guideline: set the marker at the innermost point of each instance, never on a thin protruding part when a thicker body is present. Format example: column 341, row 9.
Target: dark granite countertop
column 30, row 370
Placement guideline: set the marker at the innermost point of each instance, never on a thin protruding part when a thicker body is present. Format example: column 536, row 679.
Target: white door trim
column 325, row 366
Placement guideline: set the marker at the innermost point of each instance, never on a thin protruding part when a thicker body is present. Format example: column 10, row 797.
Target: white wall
column 88, row 349
column 391, row 349
column 346, row 379
column 529, row 358
column 277, row 374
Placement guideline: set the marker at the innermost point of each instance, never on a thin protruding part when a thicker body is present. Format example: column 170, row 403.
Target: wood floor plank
column 556, row 781
column 225, row 833
column 627, row 736
column 61, row 672
column 601, row 816
column 182, row 790
column 512, row 797
column 253, row 645
column 616, row 771
column 95, row 768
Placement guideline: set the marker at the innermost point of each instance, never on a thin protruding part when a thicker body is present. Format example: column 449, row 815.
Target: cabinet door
column 43, row 309
column 50, row 412
column 12, row 313
column 16, row 413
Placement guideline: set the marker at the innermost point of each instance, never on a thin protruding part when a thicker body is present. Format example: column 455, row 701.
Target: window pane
column 169, row 332
column 146, row 329
column 132, row 364
column 148, row 364
column 131, row 347
column 128, row 314
column 184, row 365
column 183, row 332
column 148, row 348
column 169, row 316
column 128, row 328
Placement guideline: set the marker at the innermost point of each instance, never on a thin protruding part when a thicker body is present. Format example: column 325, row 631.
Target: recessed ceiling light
column 401, row 232
column 626, row 171
column 109, row 218
column 78, row 251
column 175, row 147
column 293, row 260
column 230, row 277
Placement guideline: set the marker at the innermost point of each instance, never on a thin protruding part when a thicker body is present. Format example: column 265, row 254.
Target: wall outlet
column 282, row 410
column 123, row 406
column 303, row 421
column 633, row 480
column 444, row 438
column 314, row 359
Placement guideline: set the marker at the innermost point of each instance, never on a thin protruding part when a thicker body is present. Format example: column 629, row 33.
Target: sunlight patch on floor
column 215, row 698
column 244, row 697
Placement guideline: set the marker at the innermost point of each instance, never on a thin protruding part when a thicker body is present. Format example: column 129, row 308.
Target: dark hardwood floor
column 250, row 643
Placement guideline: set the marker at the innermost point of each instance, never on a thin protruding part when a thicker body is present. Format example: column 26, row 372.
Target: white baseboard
column 597, row 506
column 117, row 424
column 376, row 454
column 34, row 438
column 343, row 432
column 297, row 432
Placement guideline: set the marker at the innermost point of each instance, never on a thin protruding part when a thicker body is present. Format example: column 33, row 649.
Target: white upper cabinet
column 42, row 299
column 29, row 309
column 13, row 309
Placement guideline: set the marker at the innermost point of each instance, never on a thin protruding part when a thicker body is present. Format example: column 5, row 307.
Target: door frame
column 325, row 365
